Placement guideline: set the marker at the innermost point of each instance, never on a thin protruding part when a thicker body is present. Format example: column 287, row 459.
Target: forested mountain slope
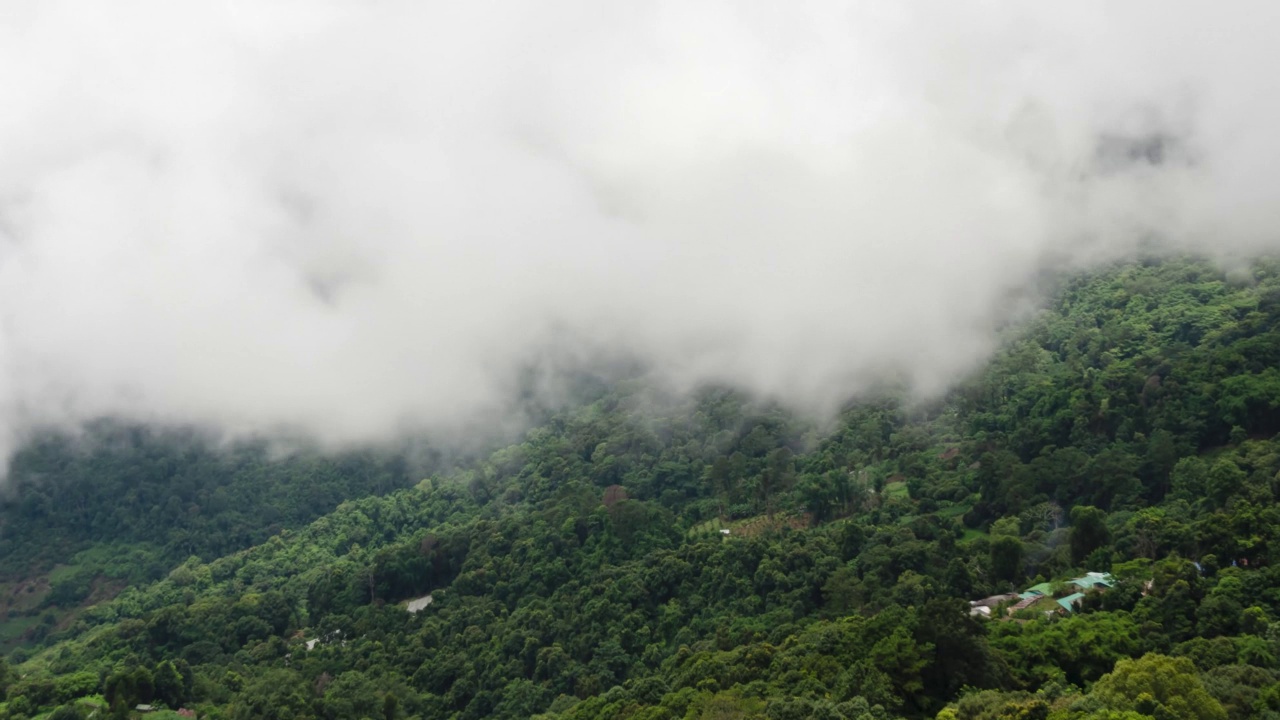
column 175, row 490
column 83, row 517
column 585, row 572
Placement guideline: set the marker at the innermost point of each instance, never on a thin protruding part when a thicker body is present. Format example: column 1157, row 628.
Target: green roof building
column 1043, row 590
column 1068, row 602
column 1094, row 581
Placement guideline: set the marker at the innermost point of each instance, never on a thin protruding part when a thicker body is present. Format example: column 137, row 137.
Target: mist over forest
column 642, row 360
column 359, row 221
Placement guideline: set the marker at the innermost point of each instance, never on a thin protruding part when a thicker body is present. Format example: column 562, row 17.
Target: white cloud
column 353, row 218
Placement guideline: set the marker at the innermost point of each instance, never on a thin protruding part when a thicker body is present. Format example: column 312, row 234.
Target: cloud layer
column 356, row 219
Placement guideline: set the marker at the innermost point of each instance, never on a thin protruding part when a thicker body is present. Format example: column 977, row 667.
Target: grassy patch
column 749, row 527
column 953, row 511
column 709, row 527
column 897, row 490
column 11, row 630
column 761, row 524
column 63, row 572
column 93, row 701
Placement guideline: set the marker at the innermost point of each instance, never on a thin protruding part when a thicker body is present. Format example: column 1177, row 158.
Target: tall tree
column 1088, row 531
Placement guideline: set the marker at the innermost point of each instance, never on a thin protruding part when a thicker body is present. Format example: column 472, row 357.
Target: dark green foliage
column 172, row 492
column 1006, row 558
column 67, row 712
column 1088, row 531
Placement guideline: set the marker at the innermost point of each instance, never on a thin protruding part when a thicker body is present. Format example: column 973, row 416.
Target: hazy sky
column 354, row 218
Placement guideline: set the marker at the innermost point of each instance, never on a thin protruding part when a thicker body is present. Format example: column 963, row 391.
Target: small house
column 1042, row 590
column 1068, row 603
column 1094, row 581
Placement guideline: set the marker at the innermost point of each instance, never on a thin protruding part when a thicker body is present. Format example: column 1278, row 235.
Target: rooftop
column 1068, row 602
column 1041, row 589
column 1093, row 580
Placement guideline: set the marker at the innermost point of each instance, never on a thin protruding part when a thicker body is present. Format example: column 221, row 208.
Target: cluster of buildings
column 1092, row 581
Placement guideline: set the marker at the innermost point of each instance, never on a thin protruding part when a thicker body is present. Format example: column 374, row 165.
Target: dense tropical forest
column 644, row 556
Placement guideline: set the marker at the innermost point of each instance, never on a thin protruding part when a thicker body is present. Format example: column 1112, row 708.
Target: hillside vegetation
column 585, row 572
